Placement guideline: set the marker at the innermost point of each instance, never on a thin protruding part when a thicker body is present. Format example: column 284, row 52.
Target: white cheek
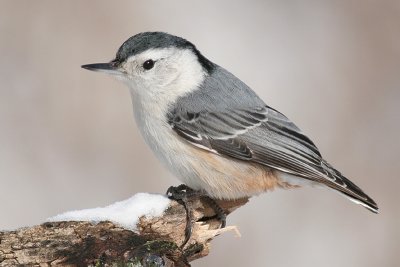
column 164, row 75
column 133, row 77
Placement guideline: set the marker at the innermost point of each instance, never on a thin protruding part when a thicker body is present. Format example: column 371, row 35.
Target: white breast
column 171, row 150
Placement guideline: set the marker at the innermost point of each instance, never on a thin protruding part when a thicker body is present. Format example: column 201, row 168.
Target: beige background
column 68, row 140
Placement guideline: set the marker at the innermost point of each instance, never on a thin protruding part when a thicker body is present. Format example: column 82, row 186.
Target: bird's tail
column 344, row 186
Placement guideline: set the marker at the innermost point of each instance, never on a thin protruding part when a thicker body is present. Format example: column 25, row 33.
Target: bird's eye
column 148, row 64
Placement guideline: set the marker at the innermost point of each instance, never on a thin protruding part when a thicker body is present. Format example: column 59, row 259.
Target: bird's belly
column 226, row 178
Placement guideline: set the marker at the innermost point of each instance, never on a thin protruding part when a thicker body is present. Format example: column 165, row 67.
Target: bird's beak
column 109, row 68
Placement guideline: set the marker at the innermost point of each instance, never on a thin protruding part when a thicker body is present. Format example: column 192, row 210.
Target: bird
column 211, row 130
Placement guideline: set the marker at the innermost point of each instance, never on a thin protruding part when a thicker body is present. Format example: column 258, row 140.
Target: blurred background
column 68, row 139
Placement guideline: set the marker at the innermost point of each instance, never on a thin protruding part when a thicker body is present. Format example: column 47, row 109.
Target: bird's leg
column 182, row 195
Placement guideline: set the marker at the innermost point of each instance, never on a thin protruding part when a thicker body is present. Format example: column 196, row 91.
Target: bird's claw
column 180, row 192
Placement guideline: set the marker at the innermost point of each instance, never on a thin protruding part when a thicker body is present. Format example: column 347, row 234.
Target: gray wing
column 258, row 134
column 226, row 117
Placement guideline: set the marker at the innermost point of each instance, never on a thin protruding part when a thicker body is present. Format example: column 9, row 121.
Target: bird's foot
column 182, row 194
column 219, row 212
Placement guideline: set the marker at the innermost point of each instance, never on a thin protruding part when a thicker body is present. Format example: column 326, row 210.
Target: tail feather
column 348, row 188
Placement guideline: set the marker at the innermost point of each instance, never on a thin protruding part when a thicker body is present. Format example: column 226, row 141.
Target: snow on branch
column 145, row 230
column 125, row 213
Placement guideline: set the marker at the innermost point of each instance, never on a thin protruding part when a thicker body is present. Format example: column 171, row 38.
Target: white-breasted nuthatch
column 210, row 129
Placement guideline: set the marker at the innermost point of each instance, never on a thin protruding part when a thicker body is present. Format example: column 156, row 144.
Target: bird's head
column 157, row 63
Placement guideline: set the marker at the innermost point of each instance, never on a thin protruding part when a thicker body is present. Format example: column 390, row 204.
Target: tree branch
column 156, row 243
